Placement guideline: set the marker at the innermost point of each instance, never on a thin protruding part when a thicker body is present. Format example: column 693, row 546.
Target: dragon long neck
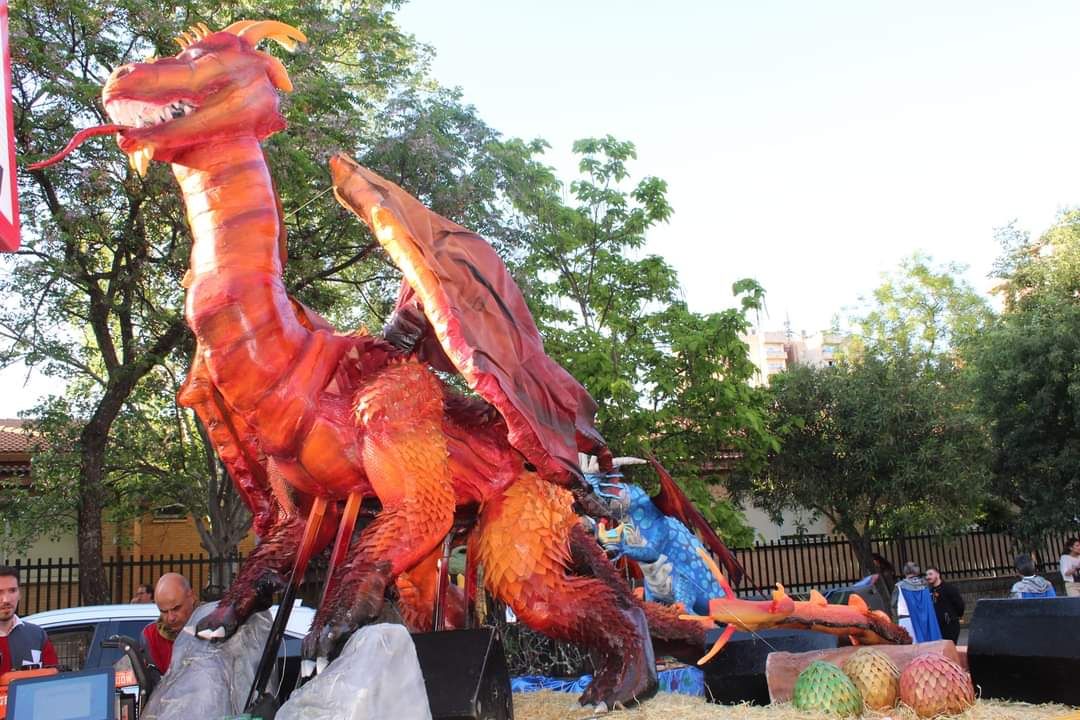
column 237, row 303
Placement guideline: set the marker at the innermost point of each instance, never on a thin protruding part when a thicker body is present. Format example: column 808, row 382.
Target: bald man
column 176, row 602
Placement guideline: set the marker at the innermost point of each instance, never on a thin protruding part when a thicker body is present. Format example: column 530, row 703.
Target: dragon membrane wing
column 483, row 327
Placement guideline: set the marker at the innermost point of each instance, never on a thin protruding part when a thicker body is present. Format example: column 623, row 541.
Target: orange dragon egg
column 876, row 676
column 933, row 685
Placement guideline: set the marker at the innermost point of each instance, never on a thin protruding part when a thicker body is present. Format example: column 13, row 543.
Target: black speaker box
column 466, row 675
column 737, row 673
column 1026, row 650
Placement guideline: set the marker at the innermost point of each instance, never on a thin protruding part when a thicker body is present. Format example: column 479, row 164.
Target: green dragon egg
column 823, row 686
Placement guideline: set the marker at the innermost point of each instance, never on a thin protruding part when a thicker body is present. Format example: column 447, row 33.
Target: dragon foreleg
column 405, row 458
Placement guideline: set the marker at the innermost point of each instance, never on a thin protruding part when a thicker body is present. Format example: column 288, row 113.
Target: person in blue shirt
column 1030, row 585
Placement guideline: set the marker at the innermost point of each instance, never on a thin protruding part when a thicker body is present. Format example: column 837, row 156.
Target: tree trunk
column 860, row 544
column 93, row 584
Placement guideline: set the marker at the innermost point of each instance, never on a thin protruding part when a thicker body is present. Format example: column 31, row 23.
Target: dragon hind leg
column 524, row 541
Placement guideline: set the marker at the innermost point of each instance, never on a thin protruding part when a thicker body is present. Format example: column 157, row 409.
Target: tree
column 105, row 250
column 878, row 447
column 885, row 442
column 922, row 311
column 1025, row 377
column 666, row 380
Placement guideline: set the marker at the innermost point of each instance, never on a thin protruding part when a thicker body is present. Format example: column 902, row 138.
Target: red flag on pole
column 9, row 187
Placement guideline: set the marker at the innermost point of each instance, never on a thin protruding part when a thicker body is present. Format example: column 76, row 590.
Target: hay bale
column 563, row 706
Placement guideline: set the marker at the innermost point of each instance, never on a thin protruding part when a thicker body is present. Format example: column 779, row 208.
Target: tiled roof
column 14, row 438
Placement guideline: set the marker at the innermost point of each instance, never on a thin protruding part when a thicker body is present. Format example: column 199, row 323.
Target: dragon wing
column 483, row 327
column 673, row 501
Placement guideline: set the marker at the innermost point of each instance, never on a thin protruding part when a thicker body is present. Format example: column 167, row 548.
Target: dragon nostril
column 122, row 71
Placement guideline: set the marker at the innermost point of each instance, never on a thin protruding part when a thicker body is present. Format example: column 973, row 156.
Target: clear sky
column 810, row 145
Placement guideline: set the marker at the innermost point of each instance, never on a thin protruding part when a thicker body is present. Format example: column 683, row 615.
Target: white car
column 77, row 634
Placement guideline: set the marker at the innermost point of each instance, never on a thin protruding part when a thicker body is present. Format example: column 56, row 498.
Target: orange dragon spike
column 817, row 598
column 858, row 603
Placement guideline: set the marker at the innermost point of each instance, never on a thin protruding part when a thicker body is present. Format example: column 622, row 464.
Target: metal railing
column 821, row 563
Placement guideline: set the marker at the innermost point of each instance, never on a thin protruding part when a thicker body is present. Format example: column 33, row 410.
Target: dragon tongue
column 75, row 142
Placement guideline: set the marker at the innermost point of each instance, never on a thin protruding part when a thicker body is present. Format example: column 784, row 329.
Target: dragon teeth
column 135, row 113
column 140, row 160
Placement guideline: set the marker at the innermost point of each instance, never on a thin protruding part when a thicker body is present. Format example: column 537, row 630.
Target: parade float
column 352, row 444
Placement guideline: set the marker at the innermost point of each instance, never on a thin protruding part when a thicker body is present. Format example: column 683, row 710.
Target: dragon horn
column 255, row 31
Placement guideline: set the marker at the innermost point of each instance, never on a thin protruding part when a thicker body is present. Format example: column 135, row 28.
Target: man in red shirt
column 21, row 643
column 176, row 602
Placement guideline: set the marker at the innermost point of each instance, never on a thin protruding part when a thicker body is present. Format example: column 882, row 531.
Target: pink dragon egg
column 933, row 685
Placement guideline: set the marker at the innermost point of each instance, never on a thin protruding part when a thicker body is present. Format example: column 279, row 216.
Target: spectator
column 1030, row 585
column 913, row 608
column 948, row 604
column 143, row 594
column 176, row 601
column 21, row 643
column 885, row 570
column 1070, row 567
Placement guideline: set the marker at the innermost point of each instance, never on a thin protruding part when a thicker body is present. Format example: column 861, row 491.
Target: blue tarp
column 684, row 680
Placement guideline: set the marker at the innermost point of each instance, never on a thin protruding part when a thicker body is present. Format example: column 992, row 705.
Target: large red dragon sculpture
column 311, row 422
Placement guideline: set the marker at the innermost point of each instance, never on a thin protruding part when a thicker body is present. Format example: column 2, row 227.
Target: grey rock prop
column 377, row 676
column 209, row 680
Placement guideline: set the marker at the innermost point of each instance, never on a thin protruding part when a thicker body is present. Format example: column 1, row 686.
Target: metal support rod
column 341, row 543
column 442, row 590
column 281, row 619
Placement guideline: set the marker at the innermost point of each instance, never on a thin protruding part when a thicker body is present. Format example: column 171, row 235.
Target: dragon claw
column 218, row 625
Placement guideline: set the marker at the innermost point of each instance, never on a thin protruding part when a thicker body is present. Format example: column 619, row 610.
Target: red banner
column 9, row 186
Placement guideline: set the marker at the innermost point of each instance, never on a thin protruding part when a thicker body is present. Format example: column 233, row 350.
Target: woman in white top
column 1070, row 567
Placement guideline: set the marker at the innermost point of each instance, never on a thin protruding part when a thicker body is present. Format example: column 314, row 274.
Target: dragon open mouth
column 127, row 114
column 142, row 113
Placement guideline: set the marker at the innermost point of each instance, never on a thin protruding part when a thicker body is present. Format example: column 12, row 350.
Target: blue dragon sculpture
column 667, row 550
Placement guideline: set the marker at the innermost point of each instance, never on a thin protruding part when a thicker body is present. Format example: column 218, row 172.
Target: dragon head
column 218, row 87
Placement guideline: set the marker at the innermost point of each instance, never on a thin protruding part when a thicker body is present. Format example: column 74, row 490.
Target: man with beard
column 948, row 604
column 21, row 643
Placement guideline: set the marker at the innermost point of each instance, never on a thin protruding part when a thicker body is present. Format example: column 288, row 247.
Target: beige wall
column 765, row 529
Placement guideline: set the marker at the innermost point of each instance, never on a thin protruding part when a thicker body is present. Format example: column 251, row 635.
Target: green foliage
column 1025, row 376
column 878, row 447
column 886, row 441
column 923, row 312
column 667, row 380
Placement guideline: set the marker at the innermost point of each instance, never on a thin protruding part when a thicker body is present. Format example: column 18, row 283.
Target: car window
column 72, row 644
column 132, row 628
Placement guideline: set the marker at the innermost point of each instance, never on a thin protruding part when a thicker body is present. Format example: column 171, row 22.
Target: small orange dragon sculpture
column 311, row 423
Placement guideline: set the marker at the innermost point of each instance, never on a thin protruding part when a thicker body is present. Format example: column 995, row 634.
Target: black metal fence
column 831, row 562
column 51, row 584
column 800, row 565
